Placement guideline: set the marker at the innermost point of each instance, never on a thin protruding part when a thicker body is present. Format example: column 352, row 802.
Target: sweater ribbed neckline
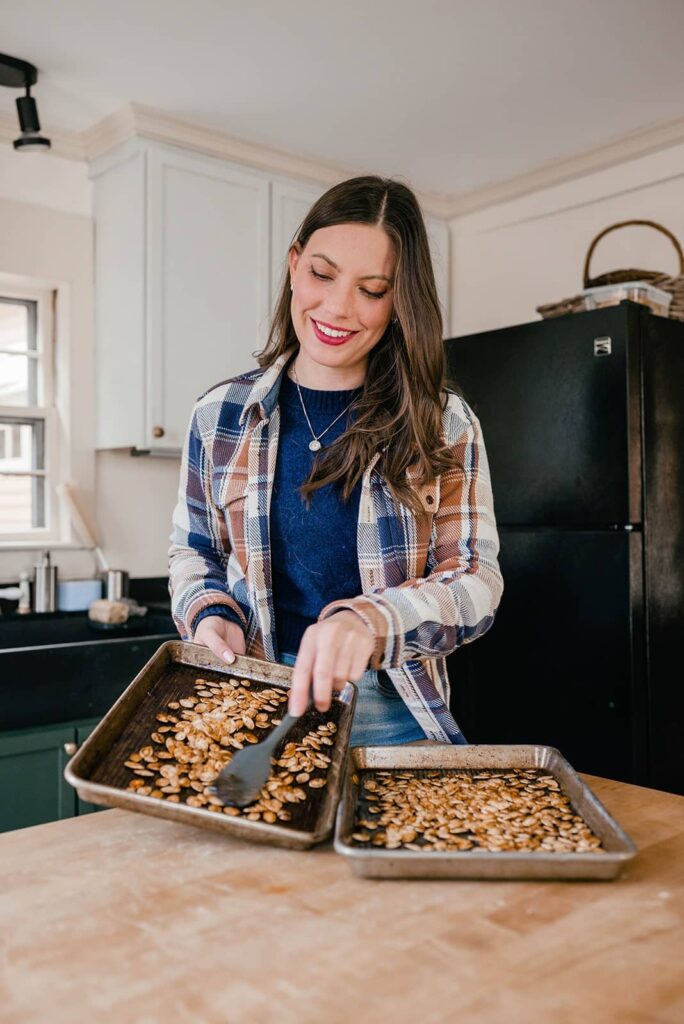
column 315, row 400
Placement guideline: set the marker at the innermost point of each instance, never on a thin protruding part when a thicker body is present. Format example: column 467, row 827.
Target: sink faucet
column 22, row 594
column 10, row 594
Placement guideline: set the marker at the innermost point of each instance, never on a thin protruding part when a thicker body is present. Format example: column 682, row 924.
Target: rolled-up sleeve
column 199, row 544
column 456, row 601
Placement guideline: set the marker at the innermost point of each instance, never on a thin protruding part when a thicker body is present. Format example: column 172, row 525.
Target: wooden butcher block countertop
column 123, row 917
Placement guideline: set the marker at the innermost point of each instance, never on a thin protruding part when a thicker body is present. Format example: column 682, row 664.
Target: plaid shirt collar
column 264, row 393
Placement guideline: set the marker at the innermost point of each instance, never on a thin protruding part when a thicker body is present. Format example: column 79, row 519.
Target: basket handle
column 628, row 223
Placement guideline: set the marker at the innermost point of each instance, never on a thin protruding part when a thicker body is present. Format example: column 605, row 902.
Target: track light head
column 29, row 123
column 19, row 74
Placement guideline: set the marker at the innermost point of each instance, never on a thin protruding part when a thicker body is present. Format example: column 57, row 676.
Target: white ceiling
column 453, row 95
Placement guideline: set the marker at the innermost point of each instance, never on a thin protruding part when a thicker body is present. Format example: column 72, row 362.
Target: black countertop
column 59, row 667
column 47, row 629
column 62, row 683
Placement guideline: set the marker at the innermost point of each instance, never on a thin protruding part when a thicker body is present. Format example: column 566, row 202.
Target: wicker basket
column 673, row 285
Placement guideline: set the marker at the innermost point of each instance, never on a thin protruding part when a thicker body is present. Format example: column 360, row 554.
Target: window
column 27, row 416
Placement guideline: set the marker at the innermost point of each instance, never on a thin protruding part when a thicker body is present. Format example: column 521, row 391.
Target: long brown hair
column 400, row 407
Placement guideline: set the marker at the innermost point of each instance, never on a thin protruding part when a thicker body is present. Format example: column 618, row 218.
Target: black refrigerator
column 583, row 422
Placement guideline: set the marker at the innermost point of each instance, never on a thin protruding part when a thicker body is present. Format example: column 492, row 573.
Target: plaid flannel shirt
column 431, row 581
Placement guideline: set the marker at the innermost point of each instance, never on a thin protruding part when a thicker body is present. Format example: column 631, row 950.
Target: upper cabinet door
column 119, row 206
column 208, row 283
column 290, row 203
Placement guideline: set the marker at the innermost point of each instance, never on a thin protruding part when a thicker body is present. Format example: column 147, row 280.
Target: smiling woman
column 335, row 509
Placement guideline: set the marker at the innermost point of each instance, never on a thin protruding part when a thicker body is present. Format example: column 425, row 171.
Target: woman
column 335, row 511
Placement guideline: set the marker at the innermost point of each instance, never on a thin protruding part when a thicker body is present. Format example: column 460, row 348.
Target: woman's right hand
column 223, row 638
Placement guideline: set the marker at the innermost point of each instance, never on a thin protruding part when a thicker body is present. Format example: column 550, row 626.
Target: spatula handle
column 275, row 737
column 272, row 740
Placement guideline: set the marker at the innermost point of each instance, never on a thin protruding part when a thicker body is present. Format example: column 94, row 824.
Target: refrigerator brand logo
column 603, row 346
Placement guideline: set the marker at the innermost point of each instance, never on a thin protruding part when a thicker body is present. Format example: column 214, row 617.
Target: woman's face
column 342, row 282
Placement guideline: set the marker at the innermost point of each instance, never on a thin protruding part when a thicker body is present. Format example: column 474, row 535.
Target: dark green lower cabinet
column 33, row 789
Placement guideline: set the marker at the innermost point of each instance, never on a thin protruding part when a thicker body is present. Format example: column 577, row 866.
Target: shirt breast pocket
column 421, row 531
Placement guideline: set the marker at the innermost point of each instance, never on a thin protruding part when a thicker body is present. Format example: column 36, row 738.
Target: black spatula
column 240, row 782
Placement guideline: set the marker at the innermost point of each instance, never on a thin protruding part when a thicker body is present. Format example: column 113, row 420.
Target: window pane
column 22, row 503
column 17, row 325
column 17, row 380
column 37, row 501
column 22, row 436
column 22, row 447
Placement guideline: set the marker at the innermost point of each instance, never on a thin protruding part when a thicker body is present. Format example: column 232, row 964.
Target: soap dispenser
column 24, row 606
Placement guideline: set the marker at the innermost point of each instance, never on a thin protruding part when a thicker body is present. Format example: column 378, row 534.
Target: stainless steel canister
column 116, row 584
column 45, row 588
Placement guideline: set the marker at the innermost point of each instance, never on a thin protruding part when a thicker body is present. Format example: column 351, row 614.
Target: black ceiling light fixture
column 19, row 74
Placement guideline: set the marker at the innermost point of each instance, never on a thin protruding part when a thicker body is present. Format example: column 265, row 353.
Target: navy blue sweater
column 313, row 552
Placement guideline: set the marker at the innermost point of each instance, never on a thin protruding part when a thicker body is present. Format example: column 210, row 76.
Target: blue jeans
column 381, row 718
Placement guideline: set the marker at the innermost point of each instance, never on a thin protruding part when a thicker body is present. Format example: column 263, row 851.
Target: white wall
column 514, row 256
column 135, row 499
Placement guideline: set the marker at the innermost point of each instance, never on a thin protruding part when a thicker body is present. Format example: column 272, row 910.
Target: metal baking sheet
column 98, row 773
column 377, row 862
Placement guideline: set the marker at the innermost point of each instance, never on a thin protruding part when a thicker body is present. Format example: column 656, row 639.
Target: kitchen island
column 123, row 917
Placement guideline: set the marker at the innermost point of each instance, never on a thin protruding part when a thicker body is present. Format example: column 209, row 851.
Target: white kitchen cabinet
column 182, row 264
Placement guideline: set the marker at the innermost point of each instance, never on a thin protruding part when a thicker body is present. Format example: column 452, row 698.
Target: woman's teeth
column 331, row 333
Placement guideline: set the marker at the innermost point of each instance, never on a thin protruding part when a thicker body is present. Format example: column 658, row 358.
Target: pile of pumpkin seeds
column 196, row 737
column 493, row 810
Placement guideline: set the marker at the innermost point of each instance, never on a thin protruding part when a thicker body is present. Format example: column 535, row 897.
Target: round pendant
column 314, row 445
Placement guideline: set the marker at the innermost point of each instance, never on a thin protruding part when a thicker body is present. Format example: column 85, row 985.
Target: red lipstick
column 326, row 339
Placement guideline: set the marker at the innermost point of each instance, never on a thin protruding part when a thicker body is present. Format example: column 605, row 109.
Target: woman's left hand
column 332, row 653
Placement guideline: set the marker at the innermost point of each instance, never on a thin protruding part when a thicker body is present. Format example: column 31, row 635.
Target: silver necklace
column 315, row 444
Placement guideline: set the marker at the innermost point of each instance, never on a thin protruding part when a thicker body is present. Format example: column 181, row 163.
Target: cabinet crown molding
column 138, row 121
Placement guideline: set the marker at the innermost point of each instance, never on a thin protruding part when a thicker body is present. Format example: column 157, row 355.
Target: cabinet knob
column 70, row 748
column 157, row 431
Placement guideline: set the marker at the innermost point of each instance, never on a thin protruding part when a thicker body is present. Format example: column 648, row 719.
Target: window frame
column 45, row 411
